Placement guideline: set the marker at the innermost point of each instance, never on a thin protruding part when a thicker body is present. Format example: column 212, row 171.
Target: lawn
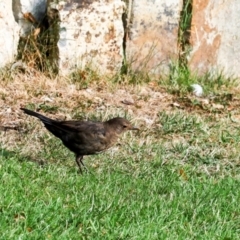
column 177, row 178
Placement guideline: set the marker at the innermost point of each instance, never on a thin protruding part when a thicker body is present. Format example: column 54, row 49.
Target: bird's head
column 120, row 125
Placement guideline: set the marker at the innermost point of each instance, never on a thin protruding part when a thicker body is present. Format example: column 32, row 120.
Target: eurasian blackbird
column 85, row 137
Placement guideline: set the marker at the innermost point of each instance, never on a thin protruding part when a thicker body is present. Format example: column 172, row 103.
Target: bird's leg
column 79, row 161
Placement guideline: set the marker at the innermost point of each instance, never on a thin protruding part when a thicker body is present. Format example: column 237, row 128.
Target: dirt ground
column 60, row 99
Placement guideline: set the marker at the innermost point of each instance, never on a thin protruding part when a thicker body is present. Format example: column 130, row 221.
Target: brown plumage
column 85, row 137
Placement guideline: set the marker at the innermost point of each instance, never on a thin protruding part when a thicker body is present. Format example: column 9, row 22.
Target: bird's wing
column 82, row 126
column 87, row 132
column 88, row 136
column 73, row 127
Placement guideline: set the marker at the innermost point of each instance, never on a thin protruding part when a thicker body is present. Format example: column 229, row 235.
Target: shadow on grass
column 6, row 154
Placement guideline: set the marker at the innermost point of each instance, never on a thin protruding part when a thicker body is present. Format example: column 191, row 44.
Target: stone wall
column 9, row 34
column 91, row 34
column 24, row 9
column 215, row 37
column 105, row 34
column 152, row 40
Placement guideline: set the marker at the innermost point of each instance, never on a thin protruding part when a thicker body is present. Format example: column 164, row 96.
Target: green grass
column 180, row 79
column 53, row 202
column 178, row 180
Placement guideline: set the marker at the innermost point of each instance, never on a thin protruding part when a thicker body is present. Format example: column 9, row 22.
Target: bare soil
column 60, row 99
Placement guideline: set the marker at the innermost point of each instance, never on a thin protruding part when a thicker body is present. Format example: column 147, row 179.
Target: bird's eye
column 124, row 126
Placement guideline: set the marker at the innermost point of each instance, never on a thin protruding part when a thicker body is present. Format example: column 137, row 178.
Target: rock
column 215, row 37
column 153, row 34
column 9, row 34
column 28, row 14
column 197, row 90
column 91, row 34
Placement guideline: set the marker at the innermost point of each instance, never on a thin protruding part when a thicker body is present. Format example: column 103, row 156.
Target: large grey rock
column 91, row 32
column 152, row 41
column 29, row 13
column 9, row 34
column 215, row 37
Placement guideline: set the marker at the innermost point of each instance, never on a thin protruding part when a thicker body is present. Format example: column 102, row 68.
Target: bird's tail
column 44, row 119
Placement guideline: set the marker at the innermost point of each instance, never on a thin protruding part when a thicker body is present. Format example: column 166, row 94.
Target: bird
column 85, row 137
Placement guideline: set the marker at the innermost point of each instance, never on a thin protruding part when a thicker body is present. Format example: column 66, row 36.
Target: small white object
column 47, row 99
column 197, row 90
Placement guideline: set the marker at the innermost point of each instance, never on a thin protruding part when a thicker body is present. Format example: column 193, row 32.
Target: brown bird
column 85, row 137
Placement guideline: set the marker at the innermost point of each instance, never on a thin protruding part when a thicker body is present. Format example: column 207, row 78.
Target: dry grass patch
column 62, row 98
column 188, row 129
